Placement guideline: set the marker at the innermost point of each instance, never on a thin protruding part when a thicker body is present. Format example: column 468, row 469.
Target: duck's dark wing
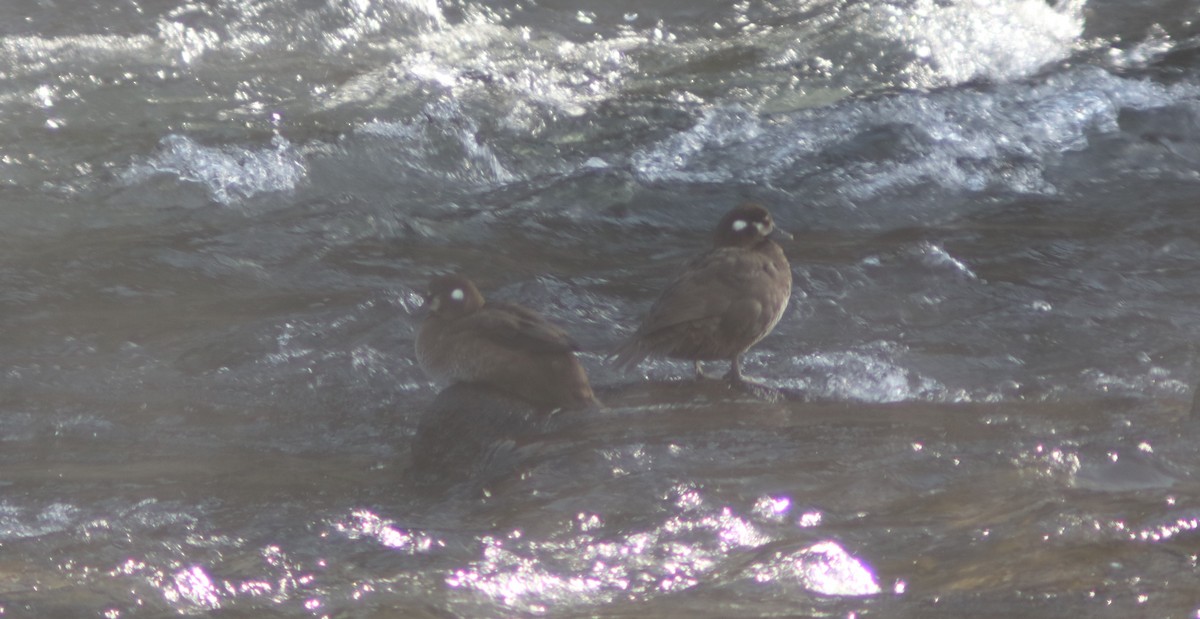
column 718, row 297
column 700, row 293
column 708, row 287
column 520, row 328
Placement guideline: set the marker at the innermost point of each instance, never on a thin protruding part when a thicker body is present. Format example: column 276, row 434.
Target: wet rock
column 1176, row 123
column 473, row 432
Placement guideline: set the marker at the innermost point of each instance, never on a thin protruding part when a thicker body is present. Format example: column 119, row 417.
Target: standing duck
column 724, row 302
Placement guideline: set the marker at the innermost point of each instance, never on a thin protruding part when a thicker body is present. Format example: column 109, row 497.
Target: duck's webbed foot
column 752, row 386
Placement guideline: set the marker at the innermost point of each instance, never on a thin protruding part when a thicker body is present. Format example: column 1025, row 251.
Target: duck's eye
column 457, row 294
column 739, row 225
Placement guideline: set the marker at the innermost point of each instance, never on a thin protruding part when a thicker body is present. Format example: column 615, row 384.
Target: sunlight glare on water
column 824, row 568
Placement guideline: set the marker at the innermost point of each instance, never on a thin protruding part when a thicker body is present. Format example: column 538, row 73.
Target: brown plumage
column 725, row 301
column 502, row 345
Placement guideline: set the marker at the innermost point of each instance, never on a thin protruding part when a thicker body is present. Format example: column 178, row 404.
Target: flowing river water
column 217, row 218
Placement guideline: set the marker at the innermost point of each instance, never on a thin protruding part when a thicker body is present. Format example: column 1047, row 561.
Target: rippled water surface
column 217, row 219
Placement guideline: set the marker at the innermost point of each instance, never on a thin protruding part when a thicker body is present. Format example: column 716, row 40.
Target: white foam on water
column 21, row 522
column 444, row 142
column 824, row 568
column 956, row 42
column 964, row 139
column 528, row 74
column 936, row 257
column 229, row 173
column 363, row 18
column 862, row 376
column 193, row 588
column 27, row 54
column 192, row 30
column 188, row 44
column 688, row 156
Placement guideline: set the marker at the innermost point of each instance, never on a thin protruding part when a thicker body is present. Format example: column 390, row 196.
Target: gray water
column 217, row 218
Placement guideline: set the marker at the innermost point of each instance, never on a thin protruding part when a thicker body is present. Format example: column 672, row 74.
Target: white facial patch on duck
column 761, row 227
column 457, row 294
column 739, row 225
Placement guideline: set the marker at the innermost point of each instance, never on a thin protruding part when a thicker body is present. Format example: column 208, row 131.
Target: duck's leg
column 734, row 375
column 749, row 385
